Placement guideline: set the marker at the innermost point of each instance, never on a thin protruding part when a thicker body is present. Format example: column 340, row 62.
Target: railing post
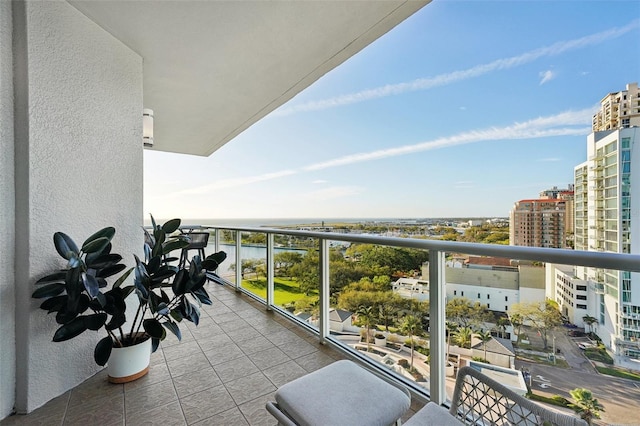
column 323, row 321
column 216, row 240
column 437, row 321
column 270, row 271
column 238, row 260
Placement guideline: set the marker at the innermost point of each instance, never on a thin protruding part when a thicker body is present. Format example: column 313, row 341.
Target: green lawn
column 619, row 373
column 598, row 354
column 286, row 291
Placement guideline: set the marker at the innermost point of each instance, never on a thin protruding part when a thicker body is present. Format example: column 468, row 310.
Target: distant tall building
column 607, row 202
column 539, row 223
column 618, row 110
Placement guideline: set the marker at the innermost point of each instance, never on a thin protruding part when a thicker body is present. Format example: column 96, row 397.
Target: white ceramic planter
column 129, row 363
column 380, row 342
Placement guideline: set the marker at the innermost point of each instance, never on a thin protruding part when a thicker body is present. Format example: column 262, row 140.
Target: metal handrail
column 437, row 250
column 618, row 261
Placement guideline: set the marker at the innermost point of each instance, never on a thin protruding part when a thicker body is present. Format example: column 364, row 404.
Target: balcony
column 225, row 370
column 222, row 372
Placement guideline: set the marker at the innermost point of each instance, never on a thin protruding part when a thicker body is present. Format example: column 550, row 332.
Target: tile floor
column 221, row 373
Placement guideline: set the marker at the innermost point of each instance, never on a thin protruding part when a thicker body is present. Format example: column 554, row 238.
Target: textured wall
column 82, row 159
column 7, row 297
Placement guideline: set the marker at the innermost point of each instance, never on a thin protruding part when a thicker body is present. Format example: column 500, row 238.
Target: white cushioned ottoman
column 342, row 394
column 433, row 415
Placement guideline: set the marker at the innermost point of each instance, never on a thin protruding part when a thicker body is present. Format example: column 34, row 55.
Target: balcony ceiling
column 213, row 68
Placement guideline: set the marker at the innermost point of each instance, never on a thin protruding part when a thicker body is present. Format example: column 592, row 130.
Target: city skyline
column 416, row 127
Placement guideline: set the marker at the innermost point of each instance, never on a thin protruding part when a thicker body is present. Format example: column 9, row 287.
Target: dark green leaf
column 122, row 278
column 126, row 291
column 154, row 344
column 165, row 297
column 162, row 309
column 116, row 321
column 70, row 330
column 173, row 327
column 202, row 296
column 48, row 290
column 153, row 222
column 102, row 300
column 154, row 328
column 65, row 245
column 95, row 321
column 74, row 260
column 56, row 277
column 174, row 245
column 154, row 301
column 164, row 273
column 64, row 316
column 54, row 304
column 176, row 314
column 115, row 300
column 212, row 261
column 180, row 282
column 105, row 233
column 111, row 270
column 159, row 235
column 103, row 260
column 102, row 352
column 194, row 317
column 90, row 284
column 171, row 226
column 154, row 264
column 95, row 246
column 197, row 282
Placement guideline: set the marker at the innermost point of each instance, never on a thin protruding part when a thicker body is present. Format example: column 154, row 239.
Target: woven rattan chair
column 197, row 241
column 480, row 400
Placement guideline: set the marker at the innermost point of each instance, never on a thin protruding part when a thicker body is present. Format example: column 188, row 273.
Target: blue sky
column 461, row 110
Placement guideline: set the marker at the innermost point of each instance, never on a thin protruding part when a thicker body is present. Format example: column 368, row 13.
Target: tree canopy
column 466, row 313
column 542, row 316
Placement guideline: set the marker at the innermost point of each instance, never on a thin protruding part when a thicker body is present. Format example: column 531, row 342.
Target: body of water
column 247, row 252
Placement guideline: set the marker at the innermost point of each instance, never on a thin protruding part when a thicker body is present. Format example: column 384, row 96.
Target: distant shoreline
column 319, row 221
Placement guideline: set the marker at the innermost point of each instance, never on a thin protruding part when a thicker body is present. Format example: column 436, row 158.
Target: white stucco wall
column 7, row 210
column 79, row 168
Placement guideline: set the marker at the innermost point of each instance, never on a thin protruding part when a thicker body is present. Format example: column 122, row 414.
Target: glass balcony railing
column 314, row 279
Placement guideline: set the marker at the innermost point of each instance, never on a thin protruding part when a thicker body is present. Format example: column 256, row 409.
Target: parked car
column 576, row 333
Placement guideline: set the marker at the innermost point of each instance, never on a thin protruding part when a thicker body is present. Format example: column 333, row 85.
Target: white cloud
column 455, row 76
column 546, row 76
column 563, row 124
column 549, row 160
column 540, row 127
column 233, row 182
column 333, row 192
column 319, row 181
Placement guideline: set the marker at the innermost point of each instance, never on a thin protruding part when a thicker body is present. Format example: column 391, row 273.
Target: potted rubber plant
column 81, row 299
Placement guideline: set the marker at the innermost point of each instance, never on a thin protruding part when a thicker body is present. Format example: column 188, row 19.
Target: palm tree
column 516, row 321
column 462, row 337
column 386, row 312
column 451, row 329
column 585, row 404
column 411, row 326
column 589, row 321
column 484, row 336
column 502, row 324
column 366, row 316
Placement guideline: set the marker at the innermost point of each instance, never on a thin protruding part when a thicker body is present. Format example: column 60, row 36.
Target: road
column 620, row 397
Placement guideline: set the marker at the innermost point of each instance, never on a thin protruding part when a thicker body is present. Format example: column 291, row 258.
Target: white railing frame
column 437, row 250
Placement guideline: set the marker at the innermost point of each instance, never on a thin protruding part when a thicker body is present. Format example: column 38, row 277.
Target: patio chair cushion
column 342, row 394
column 433, row 414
